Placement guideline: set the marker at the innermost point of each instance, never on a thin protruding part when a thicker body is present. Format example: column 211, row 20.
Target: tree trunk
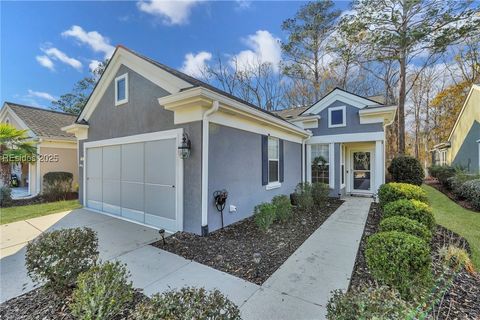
column 5, row 170
column 401, row 104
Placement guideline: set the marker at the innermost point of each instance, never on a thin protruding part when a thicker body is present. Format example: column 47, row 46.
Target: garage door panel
column 160, row 201
column 132, row 195
column 133, row 162
column 133, row 215
column 111, row 163
column 94, row 163
column 160, row 160
column 94, row 189
column 111, row 196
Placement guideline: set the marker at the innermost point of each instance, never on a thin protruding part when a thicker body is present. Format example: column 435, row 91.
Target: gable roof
column 42, row 122
column 474, row 87
column 190, row 82
column 290, row 112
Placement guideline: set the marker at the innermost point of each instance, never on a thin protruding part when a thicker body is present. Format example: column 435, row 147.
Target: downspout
column 205, row 140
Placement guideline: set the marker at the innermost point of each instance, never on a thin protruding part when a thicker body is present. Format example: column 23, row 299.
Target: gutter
column 205, row 140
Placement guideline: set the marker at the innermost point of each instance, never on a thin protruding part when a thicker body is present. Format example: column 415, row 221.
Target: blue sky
column 47, row 46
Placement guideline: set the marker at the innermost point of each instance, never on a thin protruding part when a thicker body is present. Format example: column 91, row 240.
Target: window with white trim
column 273, row 160
column 443, row 157
column 320, row 163
column 337, row 117
column 121, row 89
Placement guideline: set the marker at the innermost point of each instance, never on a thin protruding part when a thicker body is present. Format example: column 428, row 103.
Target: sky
column 47, row 46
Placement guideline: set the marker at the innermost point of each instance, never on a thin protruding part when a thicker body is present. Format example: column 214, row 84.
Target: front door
column 361, row 173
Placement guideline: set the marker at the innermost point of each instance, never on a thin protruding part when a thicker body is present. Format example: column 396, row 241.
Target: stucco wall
column 235, row 164
column 67, row 162
column 143, row 114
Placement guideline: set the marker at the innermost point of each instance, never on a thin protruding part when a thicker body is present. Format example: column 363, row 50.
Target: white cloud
column 56, row 54
column 194, row 64
column 94, row 65
column 95, row 40
column 42, row 95
column 264, row 48
column 171, row 12
column 45, row 62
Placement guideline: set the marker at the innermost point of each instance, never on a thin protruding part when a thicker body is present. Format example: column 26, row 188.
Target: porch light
column 257, row 257
column 184, row 147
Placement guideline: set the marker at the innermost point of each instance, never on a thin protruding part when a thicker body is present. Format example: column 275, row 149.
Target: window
column 121, row 89
column 8, row 121
column 336, row 117
column 443, row 157
column 320, row 163
column 273, row 160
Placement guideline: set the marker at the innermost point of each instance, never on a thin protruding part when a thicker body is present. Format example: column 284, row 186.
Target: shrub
column 187, row 303
column 406, row 169
column 404, row 224
column 456, row 258
column 470, row 190
column 57, row 185
column 433, row 170
column 5, row 196
column 58, row 257
column 445, row 172
column 395, row 191
column 456, row 182
column 264, row 215
column 320, row 192
column 303, row 195
column 283, row 207
column 399, row 260
column 412, row 209
column 102, row 292
column 368, row 303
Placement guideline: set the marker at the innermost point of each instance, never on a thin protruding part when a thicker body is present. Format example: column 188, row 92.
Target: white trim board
column 342, row 96
column 349, row 137
column 344, row 117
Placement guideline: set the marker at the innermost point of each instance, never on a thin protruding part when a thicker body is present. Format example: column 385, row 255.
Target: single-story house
column 56, row 149
column 155, row 144
column 462, row 148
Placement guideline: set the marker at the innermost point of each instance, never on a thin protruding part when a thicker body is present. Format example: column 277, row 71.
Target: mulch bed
column 231, row 249
column 42, row 305
column 460, row 301
column 462, row 202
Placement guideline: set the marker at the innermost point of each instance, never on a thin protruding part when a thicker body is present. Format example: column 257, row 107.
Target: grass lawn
column 12, row 214
column 458, row 219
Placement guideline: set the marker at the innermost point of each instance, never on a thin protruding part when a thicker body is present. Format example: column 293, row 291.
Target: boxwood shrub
column 186, row 304
column 470, row 190
column 283, row 207
column 57, row 185
column 264, row 215
column 395, row 191
column 404, row 224
column 456, row 182
column 58, row 257
column 406, row 169
column 102, row 292
column 443, row 173
column 399, row 260
column 412, row 209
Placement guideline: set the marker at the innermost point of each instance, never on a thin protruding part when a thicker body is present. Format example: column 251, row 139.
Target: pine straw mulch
column 231, row 249
column 460, row 301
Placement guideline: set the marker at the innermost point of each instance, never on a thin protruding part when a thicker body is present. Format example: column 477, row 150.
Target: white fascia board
column 349, row 137
column 79, row 130
column 148, row 70
column 474, row 87
column 342, row 96
column 378, row 115
column 8, row 111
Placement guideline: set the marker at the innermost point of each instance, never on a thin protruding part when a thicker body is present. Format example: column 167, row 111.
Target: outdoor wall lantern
column 184, row 147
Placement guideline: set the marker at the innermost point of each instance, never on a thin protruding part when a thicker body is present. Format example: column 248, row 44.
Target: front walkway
column 299, row 289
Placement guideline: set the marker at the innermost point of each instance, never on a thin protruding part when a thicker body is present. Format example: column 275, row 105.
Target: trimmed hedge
column 57, row 185
column 395, row 191
column 399, row 260
column 412, row 209
column 406, row 169
column 404, row 224
column 470, row 190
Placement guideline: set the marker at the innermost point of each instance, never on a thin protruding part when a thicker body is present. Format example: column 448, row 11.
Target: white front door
column 361, row 172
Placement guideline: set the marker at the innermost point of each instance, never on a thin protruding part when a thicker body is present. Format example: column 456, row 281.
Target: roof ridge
column 38, row 108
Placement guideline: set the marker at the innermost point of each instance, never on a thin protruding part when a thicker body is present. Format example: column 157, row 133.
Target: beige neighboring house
column 57, row 149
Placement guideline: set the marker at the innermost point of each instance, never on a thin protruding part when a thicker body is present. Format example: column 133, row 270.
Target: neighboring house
column 143, row 115
column 57, row 149
column 462, row 148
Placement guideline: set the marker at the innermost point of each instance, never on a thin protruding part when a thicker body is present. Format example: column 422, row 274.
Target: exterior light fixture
column 162, row 234
column 257, row 257
column 184, row 147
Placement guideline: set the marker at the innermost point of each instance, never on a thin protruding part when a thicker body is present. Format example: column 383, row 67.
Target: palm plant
column 15, row 147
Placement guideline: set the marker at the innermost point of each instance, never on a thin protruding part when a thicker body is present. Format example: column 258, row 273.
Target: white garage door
column 135, row 181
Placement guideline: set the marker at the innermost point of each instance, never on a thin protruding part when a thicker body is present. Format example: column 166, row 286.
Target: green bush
column 186, row 304
column 404, row 224
column 320, row 192
column 470, row 190
column 264, row 215
column 395, row 191
column 283, row 207
column 58, row 257
column 399, row 260
column 368, row 303
column 412, row 209
column 102, row 292
column 57, row 185
column 456, row 182
column 303, row 196
column 5, row 196
column 433, row 170
column 406, row 169
column 443, row 173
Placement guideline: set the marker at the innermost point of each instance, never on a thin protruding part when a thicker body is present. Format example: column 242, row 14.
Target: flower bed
column 231, row 249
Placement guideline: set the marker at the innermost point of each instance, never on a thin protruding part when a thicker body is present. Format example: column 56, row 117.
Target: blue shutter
column 264, row 160
column 281, row 164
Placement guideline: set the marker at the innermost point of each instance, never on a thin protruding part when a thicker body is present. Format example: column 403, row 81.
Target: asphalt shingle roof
column 290, row 113
column 44, row 123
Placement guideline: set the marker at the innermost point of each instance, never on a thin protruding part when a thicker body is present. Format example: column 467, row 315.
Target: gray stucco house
column 141, row 113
